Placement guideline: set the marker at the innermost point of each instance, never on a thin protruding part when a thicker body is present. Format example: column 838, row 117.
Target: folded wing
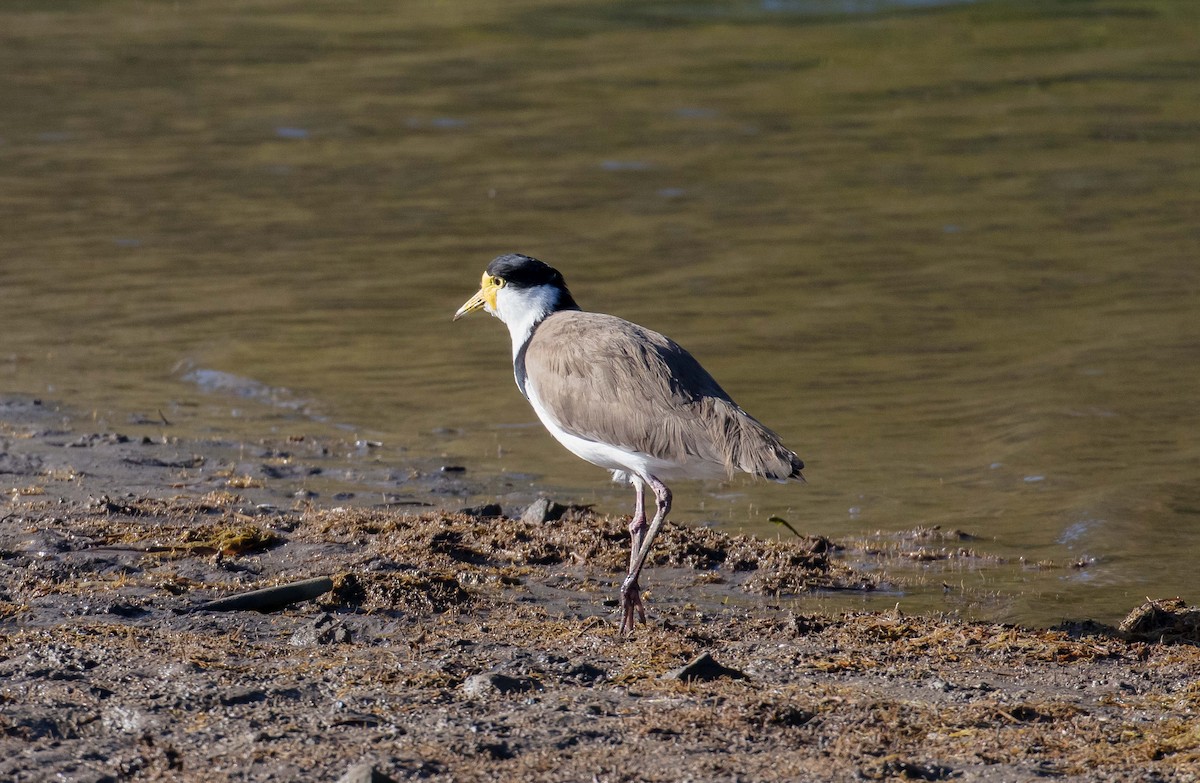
column 608, row 380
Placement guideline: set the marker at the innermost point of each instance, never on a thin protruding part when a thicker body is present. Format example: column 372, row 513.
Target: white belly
column 621, row 460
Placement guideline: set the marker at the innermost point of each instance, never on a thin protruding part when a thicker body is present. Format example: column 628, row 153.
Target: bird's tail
column 748, row 445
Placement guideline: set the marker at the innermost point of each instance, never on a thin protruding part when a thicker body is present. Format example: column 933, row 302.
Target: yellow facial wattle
column 485, row 297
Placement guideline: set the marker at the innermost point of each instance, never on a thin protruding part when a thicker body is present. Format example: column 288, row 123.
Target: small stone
column 485, row 511
column 365, row 772
column 703, row 668
column 541, row 511
column 490, row 683
column 803, row 625
column 323, row 629
column 237, row 696
column 586, row 673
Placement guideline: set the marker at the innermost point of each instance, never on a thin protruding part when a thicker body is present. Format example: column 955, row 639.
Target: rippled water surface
column 951, row 252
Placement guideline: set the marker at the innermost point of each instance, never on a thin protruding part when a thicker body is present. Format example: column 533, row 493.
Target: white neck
column 523, row 309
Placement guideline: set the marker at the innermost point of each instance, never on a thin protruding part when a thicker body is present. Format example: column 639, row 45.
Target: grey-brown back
column 608, row 380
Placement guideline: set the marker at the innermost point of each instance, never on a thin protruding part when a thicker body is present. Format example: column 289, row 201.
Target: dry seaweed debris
column 382, row 667
column 1167, row 620
column 444, row 541
column 211, row 524
column 892, row 636
column 414, row 592
column 188, row 539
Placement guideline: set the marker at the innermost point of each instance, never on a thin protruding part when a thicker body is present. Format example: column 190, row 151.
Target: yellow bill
column 484, row 297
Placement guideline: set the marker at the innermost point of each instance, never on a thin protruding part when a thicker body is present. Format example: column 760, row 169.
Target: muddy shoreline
column 468, row 646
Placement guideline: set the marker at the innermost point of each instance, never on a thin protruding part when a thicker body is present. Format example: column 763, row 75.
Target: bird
column 624, row 398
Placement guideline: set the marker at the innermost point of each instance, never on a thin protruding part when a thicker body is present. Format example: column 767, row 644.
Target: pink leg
column 631, row 593
column 637, row 525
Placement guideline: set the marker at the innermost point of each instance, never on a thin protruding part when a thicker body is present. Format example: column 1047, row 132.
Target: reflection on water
column 851, row 6
column 217, row 382
column 947, row 252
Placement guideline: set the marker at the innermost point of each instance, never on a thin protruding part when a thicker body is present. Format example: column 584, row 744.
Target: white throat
column 521, row 309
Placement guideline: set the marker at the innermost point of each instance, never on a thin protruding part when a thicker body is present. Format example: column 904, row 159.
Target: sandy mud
column 178, row 611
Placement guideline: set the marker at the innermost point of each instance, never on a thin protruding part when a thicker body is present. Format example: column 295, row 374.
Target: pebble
column 365, row 772
column 541, row 511
column 703, row 668
column 489, row 683
column 323, row 629
column 486, row 510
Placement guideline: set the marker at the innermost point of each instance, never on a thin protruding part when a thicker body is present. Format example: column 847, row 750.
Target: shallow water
column 949, row 253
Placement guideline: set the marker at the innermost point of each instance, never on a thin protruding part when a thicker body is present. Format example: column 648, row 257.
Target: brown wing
column 606, row 379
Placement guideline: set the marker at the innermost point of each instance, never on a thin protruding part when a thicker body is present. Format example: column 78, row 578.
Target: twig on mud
column 269, row 599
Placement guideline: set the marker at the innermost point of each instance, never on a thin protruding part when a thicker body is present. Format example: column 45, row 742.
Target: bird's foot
column 632, row 609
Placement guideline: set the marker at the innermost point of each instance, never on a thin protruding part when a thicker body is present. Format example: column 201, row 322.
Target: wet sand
column 468, row 646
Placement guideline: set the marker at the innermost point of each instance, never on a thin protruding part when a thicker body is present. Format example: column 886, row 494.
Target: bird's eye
column 498, row 282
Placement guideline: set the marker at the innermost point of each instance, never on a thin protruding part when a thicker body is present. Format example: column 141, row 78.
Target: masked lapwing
column 624, row 398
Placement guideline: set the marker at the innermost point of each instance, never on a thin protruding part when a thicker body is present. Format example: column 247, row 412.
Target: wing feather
column 608, row 380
